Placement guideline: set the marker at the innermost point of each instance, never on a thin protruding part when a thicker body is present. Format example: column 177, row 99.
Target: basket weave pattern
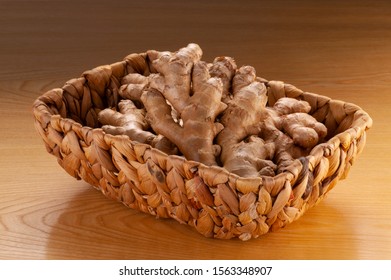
column 216, row 203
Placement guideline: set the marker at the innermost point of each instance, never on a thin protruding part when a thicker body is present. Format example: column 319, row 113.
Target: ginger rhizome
column 242, row 152
column 131, row 121
column 292, row 131
column 214, row 113
column 195, row 136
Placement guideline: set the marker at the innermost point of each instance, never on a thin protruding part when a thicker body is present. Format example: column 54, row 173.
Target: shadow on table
column 94, row 227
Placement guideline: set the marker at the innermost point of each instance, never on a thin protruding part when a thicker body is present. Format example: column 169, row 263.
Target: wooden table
column 342, row 50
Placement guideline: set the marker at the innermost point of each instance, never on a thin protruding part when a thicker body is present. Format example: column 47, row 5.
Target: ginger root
column 176, row 68
column 195, row 136
column 292, row 117
column 131, row 121
column 292, row 130
column 224, row 68
column 242, row 118
column 214, row 113
column 134, row 84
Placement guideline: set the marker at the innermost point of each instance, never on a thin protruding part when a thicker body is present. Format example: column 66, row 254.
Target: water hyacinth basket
column 213, row 201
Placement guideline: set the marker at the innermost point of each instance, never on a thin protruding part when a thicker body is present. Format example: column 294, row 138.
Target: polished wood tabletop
column 341, row 49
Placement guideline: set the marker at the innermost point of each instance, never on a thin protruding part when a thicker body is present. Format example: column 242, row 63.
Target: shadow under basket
column 215, row 202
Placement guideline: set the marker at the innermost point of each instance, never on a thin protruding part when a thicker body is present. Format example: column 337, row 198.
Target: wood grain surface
column 341, row 49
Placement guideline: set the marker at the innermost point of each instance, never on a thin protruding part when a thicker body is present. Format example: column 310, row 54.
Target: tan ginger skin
column 291, row 129
column 131, row 121
column 241, row 120
column 195, row 138
column 214, row 113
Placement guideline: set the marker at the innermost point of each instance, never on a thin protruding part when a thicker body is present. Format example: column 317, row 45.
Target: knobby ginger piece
column 194, row 138
column 241, row 154
column 292, row 130
column 286, row 106
column 304, row 129
column 176, row 68
column 224, row 68
column 131, row 121
column 182, row 100
column 134, row 84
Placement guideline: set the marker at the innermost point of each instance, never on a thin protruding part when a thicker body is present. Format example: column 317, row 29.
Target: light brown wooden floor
column 342, row 50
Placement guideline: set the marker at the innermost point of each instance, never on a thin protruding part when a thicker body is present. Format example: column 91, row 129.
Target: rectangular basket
column 215, row 202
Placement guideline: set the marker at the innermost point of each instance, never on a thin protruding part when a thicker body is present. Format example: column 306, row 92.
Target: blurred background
column 63, row 38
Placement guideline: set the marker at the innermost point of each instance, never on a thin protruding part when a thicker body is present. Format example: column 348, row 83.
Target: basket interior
column 82, row 98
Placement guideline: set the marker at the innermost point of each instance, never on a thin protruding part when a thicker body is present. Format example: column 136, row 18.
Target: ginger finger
column 304, row 129
column 134, row 84
column 241, row 119
column 194, row 138
column 131, row 121
column 286, row 106
column 251, row 158
column 224, row 68
column 176, row 69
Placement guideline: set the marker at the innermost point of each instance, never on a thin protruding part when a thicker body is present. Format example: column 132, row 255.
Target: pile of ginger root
column 212, row 113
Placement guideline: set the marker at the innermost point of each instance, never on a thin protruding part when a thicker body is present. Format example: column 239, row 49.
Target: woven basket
column 223, row 205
